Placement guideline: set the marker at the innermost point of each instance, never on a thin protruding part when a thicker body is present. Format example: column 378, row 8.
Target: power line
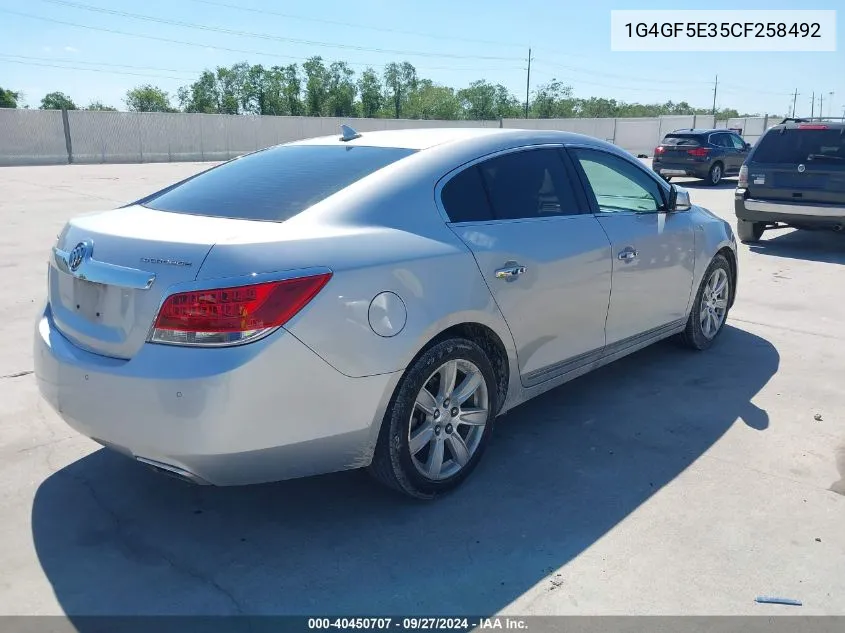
column 353, row 25
column 94, row 70
column 268, row 36
column 578, row 69
column 85, row 63
column 217, row 46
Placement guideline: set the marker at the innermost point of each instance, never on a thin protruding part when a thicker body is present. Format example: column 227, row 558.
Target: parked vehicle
column 795, row 176
column 707, row 154
column 371, row 300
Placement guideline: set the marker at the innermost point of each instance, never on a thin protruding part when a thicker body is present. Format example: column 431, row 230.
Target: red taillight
column 659, row 150
column 698, row 151
column 227, row 316
column 811, row 126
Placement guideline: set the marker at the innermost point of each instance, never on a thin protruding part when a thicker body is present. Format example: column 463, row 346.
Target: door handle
column 628, row 254
column 510, row 272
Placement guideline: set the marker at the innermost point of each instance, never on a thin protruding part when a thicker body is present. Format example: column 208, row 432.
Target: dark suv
column 794, row 176
column 707, row 154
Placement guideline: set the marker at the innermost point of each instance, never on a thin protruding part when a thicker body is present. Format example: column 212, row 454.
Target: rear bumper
column 681, row 169
column 753, row 210
column 261, row 412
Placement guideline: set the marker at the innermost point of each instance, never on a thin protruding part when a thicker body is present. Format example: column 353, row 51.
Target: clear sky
column 452, row 42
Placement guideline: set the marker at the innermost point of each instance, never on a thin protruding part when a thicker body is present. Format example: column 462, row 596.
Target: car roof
column 697, row 131
column 797, row 123
column 421, row 139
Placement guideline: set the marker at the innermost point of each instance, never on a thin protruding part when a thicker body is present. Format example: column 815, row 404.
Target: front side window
column 618, row 185
column 275, row 184
column 529, row 184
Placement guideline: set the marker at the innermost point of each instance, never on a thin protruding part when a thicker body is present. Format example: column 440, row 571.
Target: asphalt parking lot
column 669, row 483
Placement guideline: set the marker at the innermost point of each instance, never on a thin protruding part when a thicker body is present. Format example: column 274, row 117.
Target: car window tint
column 721, row 140
column 738, row 143
column 275, row 184
column 529, row 184
column 464, row 197
column 795, row 145
column 618, row 185
column 681, row 140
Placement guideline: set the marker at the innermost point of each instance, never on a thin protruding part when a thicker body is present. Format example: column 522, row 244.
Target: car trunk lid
column 109, row 273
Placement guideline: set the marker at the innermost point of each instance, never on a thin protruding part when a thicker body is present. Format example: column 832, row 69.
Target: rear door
column 653, row 251
column 543, row 255
column 799, row 164
column 729, row 155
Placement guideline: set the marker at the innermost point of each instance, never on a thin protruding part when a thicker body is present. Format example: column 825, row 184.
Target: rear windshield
column 680, row 140
column 275, row 184
column 794, row 145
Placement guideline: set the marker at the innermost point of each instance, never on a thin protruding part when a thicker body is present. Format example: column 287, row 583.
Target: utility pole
column 794, row 99
column 527, row 83
column 715, row 88
column 830, row 103
column 821, row 105
column 813, row 105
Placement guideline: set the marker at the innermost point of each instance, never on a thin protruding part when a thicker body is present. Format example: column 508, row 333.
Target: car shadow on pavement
column 561, row 471
column 818, row 246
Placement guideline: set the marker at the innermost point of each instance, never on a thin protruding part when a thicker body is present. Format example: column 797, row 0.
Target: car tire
column 749, row 232
column 406, row 468
column 714, row 176
column 703, row 330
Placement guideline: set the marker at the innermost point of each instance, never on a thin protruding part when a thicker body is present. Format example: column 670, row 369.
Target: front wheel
column 439, row 421
column 710, row 309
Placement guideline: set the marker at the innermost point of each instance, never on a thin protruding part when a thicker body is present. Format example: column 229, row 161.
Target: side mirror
column 747, row 146
column 679, row 199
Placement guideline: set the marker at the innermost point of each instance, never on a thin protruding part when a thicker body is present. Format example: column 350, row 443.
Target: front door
column 543, row 254
column 653, row 251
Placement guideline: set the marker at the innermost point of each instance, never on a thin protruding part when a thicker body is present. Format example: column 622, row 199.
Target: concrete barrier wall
column 38, row 137
column 32, row 137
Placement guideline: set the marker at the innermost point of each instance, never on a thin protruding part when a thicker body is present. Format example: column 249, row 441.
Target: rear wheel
column 714, row 176
column 710, row 309
column 749, row 231
column 438, row 424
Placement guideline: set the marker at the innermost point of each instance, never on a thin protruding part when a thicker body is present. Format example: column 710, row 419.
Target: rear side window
column 529, row 184
column 464, row 197
column 275, row 184
column 680, row 140
column 795, row 145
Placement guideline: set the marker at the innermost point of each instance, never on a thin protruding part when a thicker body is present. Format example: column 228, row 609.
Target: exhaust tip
column 172, row 471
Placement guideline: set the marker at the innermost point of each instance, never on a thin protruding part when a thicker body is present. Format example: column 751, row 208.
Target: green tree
column 292, row 90
column 98, row 105
column 552, row 100
column 341, row 90
column 148, row 98
column 200, row 96
column 399, row 81
column 57, row 101
column 369, row 87
column 484, row 101
column 316, row 86
column 431, row 101
column 8, row 98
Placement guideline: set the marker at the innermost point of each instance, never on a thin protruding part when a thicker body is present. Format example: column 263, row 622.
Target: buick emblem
column 78, row 255
column 801, row 168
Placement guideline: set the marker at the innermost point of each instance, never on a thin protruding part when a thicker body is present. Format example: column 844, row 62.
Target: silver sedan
column 368, row 301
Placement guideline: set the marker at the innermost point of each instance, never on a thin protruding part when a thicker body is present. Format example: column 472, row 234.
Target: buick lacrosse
column 368, row 300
